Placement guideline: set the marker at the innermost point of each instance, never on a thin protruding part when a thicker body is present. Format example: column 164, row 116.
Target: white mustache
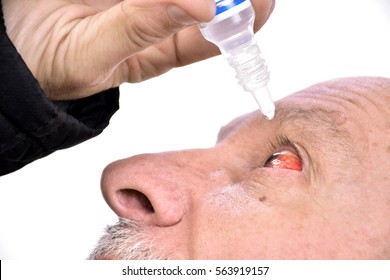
column 126, row 240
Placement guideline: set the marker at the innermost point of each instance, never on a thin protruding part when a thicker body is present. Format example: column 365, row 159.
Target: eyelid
column 282, row 141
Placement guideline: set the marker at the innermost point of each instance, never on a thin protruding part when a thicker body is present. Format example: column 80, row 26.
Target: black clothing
column 32, row 126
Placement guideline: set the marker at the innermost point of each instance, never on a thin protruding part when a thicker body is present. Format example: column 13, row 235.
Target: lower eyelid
column 275, row 177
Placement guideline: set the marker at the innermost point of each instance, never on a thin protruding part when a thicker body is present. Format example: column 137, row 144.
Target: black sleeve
column 32, row 126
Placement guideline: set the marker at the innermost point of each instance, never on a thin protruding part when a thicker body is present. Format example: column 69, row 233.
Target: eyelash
column 282, row 141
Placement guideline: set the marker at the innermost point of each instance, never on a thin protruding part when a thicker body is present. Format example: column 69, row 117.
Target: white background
column 205, row 270
column 53, row 209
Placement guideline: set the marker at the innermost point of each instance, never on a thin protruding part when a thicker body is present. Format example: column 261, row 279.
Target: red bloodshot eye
column 284, row 159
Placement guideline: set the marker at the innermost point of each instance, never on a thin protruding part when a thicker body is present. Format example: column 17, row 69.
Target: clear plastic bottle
column 232, row 31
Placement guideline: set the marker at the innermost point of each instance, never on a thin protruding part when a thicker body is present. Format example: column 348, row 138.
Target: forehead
column 353, row 101
column 293, row 114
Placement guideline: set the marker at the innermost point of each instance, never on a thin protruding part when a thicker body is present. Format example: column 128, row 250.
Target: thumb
column 110, row 37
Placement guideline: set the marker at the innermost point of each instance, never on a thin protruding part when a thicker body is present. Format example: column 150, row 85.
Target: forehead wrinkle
column 359, row 97
column 315, row 119
column 369, row 95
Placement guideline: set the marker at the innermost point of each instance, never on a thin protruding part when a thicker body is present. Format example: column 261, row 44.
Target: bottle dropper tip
column 264, row 100
column 269, row 115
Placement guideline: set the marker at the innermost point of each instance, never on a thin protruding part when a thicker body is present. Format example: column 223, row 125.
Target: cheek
column 254, row 219
column 232, row 200
column 260, row 235
column 222, row 221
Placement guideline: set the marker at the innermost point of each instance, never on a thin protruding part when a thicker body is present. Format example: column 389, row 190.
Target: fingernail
column 180, row 16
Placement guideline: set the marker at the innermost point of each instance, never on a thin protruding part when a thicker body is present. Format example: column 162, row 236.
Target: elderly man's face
column 314, row 183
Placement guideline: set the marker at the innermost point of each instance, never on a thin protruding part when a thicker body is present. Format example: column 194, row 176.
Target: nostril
column 135, row 200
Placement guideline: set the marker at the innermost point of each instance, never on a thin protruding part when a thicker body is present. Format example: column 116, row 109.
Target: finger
column 105, row 40
column 191, row 46
column 102, row 5
column 183, row 48
column 263, row 10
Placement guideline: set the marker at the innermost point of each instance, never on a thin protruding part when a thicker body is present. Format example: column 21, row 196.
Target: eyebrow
column 315, row 117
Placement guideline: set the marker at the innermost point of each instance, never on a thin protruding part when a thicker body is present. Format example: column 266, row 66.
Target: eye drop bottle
column 232, row 31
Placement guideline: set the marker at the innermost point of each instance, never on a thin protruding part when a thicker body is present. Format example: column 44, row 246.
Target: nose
column 156, row 189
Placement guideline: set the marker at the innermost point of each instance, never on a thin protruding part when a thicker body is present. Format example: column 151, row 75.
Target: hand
column 76, row 48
